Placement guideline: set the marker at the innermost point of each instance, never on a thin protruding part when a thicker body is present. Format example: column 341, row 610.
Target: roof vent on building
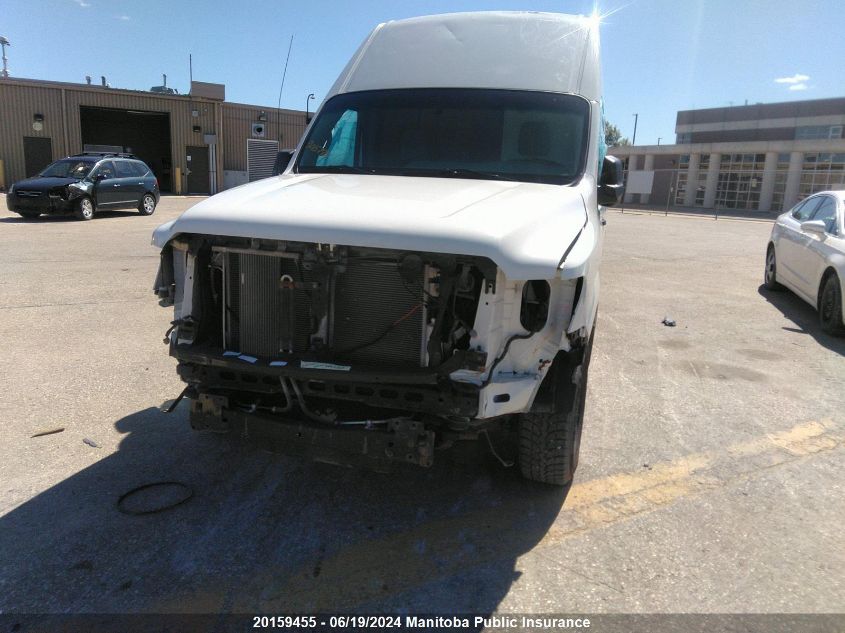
column 88, row 79
column 163, row 89
column 104, row 82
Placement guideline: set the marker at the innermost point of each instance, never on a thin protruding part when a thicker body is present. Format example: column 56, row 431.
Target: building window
column 740, row 181
column 683, row 137
column 817, row 132
column 821, row 171
column 681, row 188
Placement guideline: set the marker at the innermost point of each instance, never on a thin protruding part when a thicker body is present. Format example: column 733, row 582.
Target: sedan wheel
column 770, row 275
column 84, row 209
column 830, row 307
column 148, row 205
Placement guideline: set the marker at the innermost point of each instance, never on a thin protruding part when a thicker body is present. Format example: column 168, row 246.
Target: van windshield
column 460, row 133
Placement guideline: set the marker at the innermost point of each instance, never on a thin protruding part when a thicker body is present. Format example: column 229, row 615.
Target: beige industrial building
column 195, row 144
column 759, row 158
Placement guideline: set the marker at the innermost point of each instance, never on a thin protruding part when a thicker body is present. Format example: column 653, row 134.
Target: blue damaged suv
column 84, row 184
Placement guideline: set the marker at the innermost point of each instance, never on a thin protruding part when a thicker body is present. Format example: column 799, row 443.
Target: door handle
column 115, row 185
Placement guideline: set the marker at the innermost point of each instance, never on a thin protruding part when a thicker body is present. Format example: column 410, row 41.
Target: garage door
column 260, row 156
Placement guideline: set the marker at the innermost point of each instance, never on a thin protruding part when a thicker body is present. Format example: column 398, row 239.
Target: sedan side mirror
column 814, row 226
column 611, row 182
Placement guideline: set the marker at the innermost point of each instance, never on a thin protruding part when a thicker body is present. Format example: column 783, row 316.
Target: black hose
column 189, row 492
column 515, row 337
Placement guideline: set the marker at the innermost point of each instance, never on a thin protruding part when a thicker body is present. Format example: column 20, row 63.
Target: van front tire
column 550, row 441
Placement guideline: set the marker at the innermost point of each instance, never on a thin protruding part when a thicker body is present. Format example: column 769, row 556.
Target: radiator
column 253, row 308
column 367, row 299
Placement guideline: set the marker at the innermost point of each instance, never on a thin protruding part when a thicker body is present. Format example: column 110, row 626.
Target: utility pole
column 634, row 138
column 4, row 43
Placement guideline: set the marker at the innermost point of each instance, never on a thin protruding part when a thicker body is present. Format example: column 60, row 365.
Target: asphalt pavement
column 710, row 480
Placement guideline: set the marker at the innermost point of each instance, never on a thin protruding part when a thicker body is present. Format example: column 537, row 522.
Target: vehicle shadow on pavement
column 17, row 219
column 802, row 314
column 100, row 215
column 271, row 534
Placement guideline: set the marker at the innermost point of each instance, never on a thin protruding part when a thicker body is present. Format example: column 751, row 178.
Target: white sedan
column 806, row 254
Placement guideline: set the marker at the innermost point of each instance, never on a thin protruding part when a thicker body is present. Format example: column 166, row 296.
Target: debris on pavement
column 91, row 443
column 668, row 322
column 48, row 432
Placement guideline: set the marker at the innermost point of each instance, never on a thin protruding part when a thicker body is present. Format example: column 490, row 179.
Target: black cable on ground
column 188, row 490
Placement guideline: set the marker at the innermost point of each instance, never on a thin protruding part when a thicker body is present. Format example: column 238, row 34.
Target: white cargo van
column 427, row 266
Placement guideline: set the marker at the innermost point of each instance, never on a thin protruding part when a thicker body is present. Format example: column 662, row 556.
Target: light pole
column 658, row 139
column 4, row 43
column 307, row 103
column 634, row 138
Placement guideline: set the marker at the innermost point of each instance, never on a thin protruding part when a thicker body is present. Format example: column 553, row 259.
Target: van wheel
column 770, row 274
column 84, row 209
column 549, row 442
column 147, row 206
column 830, row 306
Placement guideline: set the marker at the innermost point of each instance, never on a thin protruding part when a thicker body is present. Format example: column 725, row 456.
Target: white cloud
column 801, row 86
column 797, row 78
column 125, row 18
column 82, row 3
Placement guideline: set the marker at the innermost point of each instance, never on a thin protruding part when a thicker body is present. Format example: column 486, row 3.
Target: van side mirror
column 283, row 159
column 611, row 182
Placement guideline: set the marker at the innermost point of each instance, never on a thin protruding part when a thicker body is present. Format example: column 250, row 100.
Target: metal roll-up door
column 260, row 157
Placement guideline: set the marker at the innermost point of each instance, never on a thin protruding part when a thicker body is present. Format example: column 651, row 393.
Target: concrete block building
column 761, row 157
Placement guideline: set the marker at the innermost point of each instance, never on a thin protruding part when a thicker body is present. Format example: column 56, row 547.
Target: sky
column 658, row 56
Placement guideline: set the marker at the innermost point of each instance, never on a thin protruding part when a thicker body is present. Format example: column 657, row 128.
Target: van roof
column 552, row 52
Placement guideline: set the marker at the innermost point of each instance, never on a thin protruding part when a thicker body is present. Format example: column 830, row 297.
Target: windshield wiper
column 471, row 173
column 335, row 169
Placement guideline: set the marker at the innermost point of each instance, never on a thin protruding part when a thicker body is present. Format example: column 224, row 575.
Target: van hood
column 525, row 228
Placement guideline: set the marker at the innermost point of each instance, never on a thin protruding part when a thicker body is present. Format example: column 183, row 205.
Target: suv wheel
column 830, row 306
column 549, row 442
column 84, row 209
column 147, row 205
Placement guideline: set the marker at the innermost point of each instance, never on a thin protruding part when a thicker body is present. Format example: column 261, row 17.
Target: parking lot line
column 617, row 497
column 590, row 505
